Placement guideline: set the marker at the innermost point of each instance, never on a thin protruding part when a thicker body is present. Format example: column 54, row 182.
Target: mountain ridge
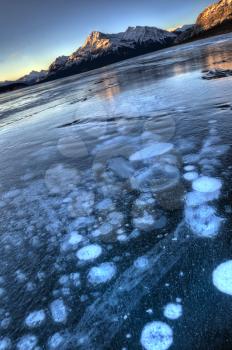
column 101, row 49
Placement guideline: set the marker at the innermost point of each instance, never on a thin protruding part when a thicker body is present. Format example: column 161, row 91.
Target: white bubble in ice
column 154, row 150
column 27, row 342
column 222, row 277
column 207, row 184
column 89, row 252
column 189, row 168
column 61, row 179
column 55, row 341
column 173, row 311
column 196, row 198
column 35, row 319
column 105, row 204
column 59, row 311
column 102, row 273
column 71, row 241
column 203, row 220
column 5, row 343
column 156, row 335
column 190, row 176
column 72, row 146
column 142, row 263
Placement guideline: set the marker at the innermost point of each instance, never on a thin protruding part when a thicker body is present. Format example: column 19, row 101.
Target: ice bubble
column 82, row 222
column 56, row 341
column 159, row 177
column 105, row 204
column 27, row 342
column 190, row 176
column 75, row 279
column 5, row 343
column 35, row 319
column 191, row 158
column 71, row 241
column 173, row 311
column 189, row 168
column 61, row 179
column 102, row 273
column 89, row 252
column 59, row 311
column 142, row 263
column 207, row 184
column 121, row 167
column 197, row 198
column 104, row 229
column 203, row 220
column 116, row 218
column 154, row 150
column 148, row 222
column 72, row 146
column 156, row 335
column 122, row 238
column 83, row 203
column 145, row 222
column 222, row 277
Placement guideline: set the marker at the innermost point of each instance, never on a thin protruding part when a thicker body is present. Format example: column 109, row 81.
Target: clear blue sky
column 34, row 32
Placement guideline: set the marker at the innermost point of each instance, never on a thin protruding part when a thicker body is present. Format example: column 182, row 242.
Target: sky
column 34, row 32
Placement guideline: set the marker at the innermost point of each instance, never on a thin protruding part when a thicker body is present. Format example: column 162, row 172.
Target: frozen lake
column 115, row 200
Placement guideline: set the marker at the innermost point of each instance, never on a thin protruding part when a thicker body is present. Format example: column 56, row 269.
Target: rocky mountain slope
column 215, row 19
column 100, row 49
column 214, row 15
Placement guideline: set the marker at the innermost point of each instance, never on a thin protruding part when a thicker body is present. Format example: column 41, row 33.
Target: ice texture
column 156, row 335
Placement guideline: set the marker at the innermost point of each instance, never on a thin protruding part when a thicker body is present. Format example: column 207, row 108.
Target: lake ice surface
column 115, row 200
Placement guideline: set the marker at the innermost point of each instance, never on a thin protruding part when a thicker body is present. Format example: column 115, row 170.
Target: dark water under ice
column 115, row 202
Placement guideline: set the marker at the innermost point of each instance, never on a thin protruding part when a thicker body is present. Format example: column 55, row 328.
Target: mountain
column 101, row 49
column 215, row 19
column 33, row 77
column 181, row 29
column 215, row 16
